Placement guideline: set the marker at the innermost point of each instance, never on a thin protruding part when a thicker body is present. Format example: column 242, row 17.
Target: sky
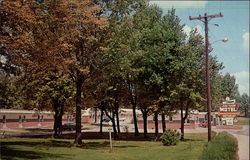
column 234, row 25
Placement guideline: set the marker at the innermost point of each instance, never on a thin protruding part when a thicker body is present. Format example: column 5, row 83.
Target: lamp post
column 220, row 40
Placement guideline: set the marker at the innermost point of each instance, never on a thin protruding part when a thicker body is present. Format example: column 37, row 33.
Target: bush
column 222, row 147
column 170, row 137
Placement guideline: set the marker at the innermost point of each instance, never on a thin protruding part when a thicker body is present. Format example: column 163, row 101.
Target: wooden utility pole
column 205, row 20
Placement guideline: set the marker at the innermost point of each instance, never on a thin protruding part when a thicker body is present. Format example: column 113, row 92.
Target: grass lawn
column 242, row 121
column 24, row 148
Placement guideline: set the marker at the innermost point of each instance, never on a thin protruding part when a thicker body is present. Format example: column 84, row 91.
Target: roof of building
column 24, row 111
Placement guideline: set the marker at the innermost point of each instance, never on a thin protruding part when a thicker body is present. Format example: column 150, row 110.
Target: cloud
column 245, row 37
column 179, row 4
column 242, row 79
column 187, row 29
column 200, row 30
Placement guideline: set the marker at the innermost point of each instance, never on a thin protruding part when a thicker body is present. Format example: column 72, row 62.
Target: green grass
column 223, row 147
column 242, row 121
column 23, row 148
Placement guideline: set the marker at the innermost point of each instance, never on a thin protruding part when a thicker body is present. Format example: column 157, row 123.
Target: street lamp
column 220, row 40
column 224, row 40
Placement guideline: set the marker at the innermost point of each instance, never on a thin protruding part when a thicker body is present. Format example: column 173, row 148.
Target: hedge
column 222, row 147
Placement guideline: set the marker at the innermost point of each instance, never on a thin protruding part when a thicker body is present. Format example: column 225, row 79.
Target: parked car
column 69, row 126
column 205, row 124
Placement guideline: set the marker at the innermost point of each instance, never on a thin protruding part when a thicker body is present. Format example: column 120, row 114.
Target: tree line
column 106, row 54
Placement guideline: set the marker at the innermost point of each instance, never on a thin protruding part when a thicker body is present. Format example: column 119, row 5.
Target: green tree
column 54, row 92
column 216, row 81
column 187, row 84
column 120, row 55
column 229, row 88
column 244, row 104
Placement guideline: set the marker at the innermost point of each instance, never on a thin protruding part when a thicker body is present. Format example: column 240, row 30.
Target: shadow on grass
column 101, row 145
column 38, row 130
column 127, row 146
column 191, row 140
column 9, row 153
column 104, row 135
column 94, row 145
column 45, row 144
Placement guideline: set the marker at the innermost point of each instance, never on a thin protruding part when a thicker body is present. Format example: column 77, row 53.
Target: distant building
column 13, row 118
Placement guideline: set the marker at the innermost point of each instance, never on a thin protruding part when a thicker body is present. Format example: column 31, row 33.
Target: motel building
column 226, row 115
column 228, row 112
column 12, row 118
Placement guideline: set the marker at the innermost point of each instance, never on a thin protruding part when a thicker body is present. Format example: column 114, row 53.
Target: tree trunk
column 78, row 135
column 246, row 110
column 101, row 119
column 182, row 125
column 183, row 118
column 55, row 134
column 145, row 125
column 57, row 118
column 117, row 121
column 163, row 121
column 117, row 115
column 135, row 119
column 60, row 120
column 114, row 128
column 112, row 118
column 156, row 124
column 95, row 114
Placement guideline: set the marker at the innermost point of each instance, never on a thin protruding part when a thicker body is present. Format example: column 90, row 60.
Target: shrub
column 170, row 137
column 222, row 147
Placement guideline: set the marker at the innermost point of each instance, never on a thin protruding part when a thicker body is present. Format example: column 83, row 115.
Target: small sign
column 110, row 139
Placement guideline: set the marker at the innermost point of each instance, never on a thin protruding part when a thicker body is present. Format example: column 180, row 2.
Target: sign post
column 110, row 139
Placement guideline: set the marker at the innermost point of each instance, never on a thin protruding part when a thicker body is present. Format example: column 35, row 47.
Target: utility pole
column 205, row 20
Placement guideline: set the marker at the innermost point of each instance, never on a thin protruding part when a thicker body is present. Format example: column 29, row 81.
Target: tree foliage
column 244, row 104
column 70, row 55
column 229, row 86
